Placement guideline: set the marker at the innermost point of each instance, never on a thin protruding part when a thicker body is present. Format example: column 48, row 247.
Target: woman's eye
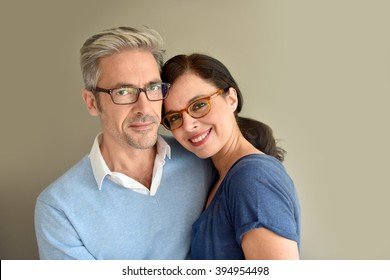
column 199, row 105
column 174, row 118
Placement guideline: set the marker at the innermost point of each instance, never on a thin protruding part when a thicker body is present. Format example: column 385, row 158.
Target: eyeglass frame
column 207, row 98
column 145, row 89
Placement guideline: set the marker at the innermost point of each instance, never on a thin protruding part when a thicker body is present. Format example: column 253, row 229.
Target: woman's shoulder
column 257, row 164
column 257, row 171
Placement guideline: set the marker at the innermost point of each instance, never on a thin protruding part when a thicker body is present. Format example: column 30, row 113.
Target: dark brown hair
column 212, row 70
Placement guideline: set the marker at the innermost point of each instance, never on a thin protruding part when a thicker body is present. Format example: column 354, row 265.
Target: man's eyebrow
column 120, row 85
column 157, row 81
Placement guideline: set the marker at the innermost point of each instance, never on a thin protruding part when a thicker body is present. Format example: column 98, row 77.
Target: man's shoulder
column 171, row 141
column 179, row 155
column 176, row 148
column 69, row 183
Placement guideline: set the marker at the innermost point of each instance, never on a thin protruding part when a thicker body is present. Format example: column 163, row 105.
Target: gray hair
column 113, row 41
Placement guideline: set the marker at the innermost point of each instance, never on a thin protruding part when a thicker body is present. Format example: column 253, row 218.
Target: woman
column 252, row 211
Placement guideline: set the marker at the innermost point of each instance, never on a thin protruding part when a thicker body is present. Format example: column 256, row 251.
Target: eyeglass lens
column 196, row 110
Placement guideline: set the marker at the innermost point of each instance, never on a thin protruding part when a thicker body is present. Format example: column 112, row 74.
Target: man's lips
column 141, row 125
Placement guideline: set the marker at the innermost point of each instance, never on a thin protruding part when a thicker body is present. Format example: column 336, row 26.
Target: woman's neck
column 235, row 148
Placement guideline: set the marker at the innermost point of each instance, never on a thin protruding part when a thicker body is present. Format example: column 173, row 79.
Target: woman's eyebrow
column 195, row 98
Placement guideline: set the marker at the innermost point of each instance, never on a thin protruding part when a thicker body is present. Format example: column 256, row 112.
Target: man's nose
column 143, row 103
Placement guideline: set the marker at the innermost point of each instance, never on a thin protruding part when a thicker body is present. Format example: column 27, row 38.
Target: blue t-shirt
column 256, row 193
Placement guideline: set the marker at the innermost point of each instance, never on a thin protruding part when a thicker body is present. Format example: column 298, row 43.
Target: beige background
column 318, row 72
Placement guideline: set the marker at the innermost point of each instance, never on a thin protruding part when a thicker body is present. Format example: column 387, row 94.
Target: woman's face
column 205, row 136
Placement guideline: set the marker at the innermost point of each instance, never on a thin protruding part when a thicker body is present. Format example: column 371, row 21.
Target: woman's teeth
column 200, row 138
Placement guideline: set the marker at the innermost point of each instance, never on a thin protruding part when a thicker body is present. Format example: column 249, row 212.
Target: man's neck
column 135, row 163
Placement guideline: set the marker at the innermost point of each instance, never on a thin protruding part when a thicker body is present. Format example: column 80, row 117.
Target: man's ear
column 232, row 99
column 90, row 102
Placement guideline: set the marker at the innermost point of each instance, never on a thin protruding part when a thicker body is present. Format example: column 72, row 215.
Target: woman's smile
column 199, row 139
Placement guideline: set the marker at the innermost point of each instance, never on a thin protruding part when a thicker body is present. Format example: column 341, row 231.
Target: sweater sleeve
column 261, row 194
column 56, row 237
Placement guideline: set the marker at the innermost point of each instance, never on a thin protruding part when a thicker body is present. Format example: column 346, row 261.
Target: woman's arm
column 263, row 244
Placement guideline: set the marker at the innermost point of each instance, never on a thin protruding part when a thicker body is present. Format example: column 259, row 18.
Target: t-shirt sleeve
column 262, row 195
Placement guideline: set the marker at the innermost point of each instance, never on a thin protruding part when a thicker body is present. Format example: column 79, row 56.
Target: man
column 137, row 194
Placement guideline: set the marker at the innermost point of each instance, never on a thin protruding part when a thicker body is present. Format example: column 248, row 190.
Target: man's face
column 135, row 124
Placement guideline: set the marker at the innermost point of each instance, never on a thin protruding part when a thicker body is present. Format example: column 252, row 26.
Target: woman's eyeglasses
column 197, row 109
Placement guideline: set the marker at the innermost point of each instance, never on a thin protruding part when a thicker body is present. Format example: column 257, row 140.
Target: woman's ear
column 232, row 99
column 90, row 102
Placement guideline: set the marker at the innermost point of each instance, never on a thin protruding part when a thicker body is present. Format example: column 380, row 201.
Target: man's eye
column 123, row 92
column 156, row 87
column 198, row 105
column 126, row 91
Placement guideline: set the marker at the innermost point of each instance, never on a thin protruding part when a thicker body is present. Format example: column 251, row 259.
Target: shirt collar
column 99, row 167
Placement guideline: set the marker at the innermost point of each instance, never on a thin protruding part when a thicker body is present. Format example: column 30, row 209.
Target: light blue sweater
column 76, row 220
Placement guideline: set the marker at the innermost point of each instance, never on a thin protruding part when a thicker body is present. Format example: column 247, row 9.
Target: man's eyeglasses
column 129, row 94
column 197, row 109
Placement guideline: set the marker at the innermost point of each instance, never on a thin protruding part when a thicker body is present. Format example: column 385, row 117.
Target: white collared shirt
column 101, row 170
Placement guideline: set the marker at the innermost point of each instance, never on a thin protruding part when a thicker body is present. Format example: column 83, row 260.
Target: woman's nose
column 189, row 123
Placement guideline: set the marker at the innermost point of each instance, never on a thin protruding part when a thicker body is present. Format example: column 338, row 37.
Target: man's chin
column 147, row 141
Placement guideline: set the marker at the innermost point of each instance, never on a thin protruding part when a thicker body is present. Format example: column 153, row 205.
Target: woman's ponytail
column 260, row 136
